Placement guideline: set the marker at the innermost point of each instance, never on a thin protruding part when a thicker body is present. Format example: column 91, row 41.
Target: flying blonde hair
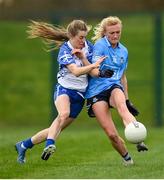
column 55, row 35
column 99, row 30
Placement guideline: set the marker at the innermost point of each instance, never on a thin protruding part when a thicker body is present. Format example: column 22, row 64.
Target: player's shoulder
column 123, row 48
column 100, row 43
column 64, row 49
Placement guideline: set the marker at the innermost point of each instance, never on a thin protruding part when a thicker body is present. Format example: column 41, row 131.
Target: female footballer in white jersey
column 105, row 92
column 73, row 58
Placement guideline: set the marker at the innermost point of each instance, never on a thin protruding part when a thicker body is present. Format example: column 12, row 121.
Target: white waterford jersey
column 64, row 76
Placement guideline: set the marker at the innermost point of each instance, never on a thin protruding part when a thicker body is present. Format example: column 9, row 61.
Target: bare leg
column 105, row 120
column 63, row 120
column 56, row 127
column 117, row 100
column 40, row 136
column 63, row 106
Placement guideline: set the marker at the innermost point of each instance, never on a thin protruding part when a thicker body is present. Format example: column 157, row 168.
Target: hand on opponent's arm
column 103, row 73
column 80, row 54
column 94, row 70
column 87, row 68
column 107, row 73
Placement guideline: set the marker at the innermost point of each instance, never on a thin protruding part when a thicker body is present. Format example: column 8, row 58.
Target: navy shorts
column 76, row 99
column 103, row 96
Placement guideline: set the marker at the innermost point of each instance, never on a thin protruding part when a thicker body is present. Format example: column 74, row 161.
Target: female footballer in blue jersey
column 73, row 58
column 111, row 92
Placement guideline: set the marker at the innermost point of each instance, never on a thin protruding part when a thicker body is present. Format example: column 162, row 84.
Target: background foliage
column 25, row 72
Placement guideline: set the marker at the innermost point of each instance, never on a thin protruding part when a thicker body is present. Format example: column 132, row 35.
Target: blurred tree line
column 45, row 9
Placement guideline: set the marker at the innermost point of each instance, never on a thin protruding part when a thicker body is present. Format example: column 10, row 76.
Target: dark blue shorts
column 103, row 96
column 76, row 99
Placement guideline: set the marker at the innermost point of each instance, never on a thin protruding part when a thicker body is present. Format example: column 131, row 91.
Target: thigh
column 68, row 101
column 62, row 103
column 117, row 97
column 104, row 117
column 62, row 99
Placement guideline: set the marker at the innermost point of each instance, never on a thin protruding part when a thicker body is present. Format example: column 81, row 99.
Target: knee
column 63, row 116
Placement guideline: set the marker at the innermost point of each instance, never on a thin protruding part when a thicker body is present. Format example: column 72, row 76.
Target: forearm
column 83, row 70
column 88, row 68
column 94, row 72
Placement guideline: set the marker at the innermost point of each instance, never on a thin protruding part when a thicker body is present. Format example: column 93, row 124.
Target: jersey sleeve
column 98, row 51
column 65, row 57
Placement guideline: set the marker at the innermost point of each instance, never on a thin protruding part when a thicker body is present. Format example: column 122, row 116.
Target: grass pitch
column 82, row 152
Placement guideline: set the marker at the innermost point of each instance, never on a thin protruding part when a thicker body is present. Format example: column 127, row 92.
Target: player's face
column 113, row 33
column 78, row 41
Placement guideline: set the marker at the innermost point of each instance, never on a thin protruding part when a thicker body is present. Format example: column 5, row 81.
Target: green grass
column 82, row 152
column 24, row 77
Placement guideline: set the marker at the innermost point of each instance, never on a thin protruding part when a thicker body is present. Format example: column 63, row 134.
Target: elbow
column 76, row 73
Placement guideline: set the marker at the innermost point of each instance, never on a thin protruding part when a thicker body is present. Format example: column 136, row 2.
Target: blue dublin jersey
column 65, row 77
column 117, row 60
